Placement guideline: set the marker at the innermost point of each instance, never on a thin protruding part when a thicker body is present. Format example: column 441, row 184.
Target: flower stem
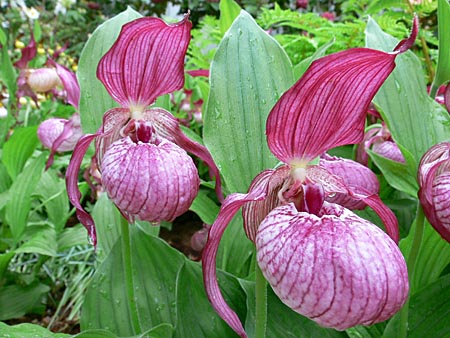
column 411, row 262
column 261, row 304
column 128, row 274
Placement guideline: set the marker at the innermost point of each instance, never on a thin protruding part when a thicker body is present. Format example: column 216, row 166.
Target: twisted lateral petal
column 336, row 269
column 355, row 176
column 166, row 126
column 28, row 54
column 146, row 61
column 229, row 208
column 72, row 185
column 151, row 182
column 433, row 177
column 327, row 107
column 254, row 212
column 70, row 83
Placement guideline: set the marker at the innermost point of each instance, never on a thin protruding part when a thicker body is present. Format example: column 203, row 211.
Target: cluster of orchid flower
column 320, row 258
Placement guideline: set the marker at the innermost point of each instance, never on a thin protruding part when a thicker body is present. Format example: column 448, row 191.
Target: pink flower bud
column 149, row 181
column 335, row 268
column 43, row 79
column 69, row 131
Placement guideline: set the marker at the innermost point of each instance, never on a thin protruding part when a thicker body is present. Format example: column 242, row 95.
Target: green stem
column 128, row 272
column 410, row 263
column 261, row 304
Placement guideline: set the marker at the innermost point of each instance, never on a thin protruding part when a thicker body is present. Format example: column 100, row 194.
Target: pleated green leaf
column 229, row 10
column 443, row 66
column 433, row 257
column 18, row 149
column 41, row 240
column 205, row 207
column 52, row 192
column 195, row 315
column 415, row 120
column 94, row 99
column 281, row 320
column 19, row 203
column 130, row 299
column 397, row 174
column 430, row 311
column 249, row 73
column 16, row 300
column 27, row 330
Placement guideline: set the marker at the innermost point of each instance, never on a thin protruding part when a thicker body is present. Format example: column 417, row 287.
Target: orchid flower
column 141, row 151
column 40, row 80
column 60, row 135
column 434, row 182
column 320, row 258
column 379, row 139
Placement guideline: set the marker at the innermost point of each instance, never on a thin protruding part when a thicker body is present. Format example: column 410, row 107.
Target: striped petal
column 335, row 268
column 434, row 192
column 146, row 61
column 327, row 107
column 229, row 208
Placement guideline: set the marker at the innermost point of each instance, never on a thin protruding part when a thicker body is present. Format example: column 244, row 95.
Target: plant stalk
column 128, row 274
column 261, row 304
column 411, row 263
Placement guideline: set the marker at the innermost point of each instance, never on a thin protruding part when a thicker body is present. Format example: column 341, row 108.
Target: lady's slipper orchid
column 32, row 81
column 380, row 141
column 141, row 151
column 434, row 192
column 320, row 258
column 60, row 135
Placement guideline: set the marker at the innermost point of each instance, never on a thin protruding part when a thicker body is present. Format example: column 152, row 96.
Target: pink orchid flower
column 41, row 80
column 320, row 258
column 434, row 182
column 141, row 151
column 379, row 140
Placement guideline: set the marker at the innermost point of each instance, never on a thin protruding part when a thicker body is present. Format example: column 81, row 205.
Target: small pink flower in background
column 141, row 152
column 320, row 258
column 434, row 192
column 303, row 4
column 330, row 16
column 48, row 79
column 379, row 140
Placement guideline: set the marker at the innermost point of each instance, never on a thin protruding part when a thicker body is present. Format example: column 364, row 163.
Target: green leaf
column 229, row 10
column 94, row 99
column 160, row 331
column 443, row 65
column 152, row 280
column 72, row 236
column 236, row 251
column 205, row 207
column 42, row 240
column 301, row 68
column 16, row 301
column 249, row 73
column 19, row 204
column 7, row 72
column 37, row 31
column 97, row 333
column 196, row 317
column 432, row 259
column 27, row 330
column 5, row 258
column 107, row 224
column 415, row 120
column 397, row 174
column 429, row 311
column 5, row 179
column 53, row 194
column 18, row 149
column 281, row 320
column 3, row 37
